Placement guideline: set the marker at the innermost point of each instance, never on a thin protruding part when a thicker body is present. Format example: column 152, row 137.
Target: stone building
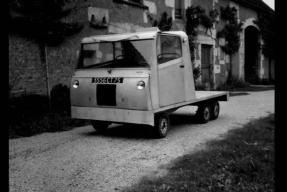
column 26, row 72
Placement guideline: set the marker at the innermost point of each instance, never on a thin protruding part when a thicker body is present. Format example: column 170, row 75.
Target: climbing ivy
column 164, row 24
column 266, row 24
column 208, row 20
column 230, row 32
column 196, row 15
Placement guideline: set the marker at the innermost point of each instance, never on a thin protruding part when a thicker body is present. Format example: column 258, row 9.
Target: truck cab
column 132, row 78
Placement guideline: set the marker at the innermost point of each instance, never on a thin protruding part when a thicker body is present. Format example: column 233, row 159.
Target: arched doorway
column 251, row 53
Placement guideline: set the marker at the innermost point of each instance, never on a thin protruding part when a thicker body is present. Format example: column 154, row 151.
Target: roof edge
column 244, row 2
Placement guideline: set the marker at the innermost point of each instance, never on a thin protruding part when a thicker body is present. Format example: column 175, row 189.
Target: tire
column 100, row 126
column 214, row 107
column 203, row 113
column 162, row 125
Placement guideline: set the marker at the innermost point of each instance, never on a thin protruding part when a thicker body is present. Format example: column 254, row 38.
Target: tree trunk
column 47, row 76
column 44, row 59
column 270, row 77
column 230, row 70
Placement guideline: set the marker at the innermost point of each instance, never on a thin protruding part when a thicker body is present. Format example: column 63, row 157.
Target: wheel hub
column 215, row 110
column 206, row 113
column 163, row 125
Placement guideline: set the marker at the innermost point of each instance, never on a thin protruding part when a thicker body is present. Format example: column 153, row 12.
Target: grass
column 235, row 85
column 242, row 161
column 46, row 122
column 252, row 89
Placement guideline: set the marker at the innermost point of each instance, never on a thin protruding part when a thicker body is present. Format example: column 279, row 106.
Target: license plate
column 107, row 80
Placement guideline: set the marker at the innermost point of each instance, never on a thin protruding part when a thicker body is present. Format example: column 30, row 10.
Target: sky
column 270, row 3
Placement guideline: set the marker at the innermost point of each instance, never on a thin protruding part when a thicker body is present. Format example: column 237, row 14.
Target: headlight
column 76, row 84
column 141, row 85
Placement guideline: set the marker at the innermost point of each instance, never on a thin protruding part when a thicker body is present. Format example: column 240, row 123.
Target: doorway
column 205, row 62
column 251, row 53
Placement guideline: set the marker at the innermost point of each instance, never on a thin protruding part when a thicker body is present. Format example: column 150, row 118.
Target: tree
column 230, row 33
column 41, row 21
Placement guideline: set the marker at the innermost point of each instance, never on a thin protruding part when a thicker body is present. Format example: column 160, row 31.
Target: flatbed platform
column 200, row 96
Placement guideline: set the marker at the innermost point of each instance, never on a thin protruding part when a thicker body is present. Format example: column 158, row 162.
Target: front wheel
column 162, row 125
column 203, row 113
column 100, row 126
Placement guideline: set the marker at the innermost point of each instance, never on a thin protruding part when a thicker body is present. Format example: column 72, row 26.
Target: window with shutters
column 135, row 3
column 178, row 9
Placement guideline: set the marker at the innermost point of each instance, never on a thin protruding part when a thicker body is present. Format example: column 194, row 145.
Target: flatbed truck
column 138, row 78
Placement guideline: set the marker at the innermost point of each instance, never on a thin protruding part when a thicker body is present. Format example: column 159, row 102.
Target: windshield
column 115, row 54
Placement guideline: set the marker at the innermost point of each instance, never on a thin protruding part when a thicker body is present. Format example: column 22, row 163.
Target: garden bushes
column 31, row 113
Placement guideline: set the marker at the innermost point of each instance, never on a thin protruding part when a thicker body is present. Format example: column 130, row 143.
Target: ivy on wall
column 196, row 15
column 266, row 24
column 164, row 24
column 231, row 32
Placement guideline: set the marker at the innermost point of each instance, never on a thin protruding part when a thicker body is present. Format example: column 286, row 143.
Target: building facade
column 120, row 16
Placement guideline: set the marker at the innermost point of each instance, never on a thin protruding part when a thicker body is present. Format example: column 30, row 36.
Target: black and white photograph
column 141, row 95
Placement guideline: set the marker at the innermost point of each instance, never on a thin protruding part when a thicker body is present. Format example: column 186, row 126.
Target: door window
column 168, row 48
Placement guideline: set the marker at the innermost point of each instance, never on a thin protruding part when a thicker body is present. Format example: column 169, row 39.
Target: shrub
column 196, row 72
column 232, row 83
column 200, row 86
column 257, row 81
column 24, row 110
column 60, row 98
column 237, row 83
column 29, row 114
column 27, row 105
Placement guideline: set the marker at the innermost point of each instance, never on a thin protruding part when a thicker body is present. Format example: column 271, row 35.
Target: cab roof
column 145, row 33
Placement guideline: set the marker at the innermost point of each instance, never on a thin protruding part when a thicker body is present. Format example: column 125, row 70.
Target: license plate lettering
column 107, row 80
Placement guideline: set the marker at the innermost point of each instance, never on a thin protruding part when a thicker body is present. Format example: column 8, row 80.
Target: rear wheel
column 100, row 126
column 203, row 113
column 214, row 110
column 162, row 125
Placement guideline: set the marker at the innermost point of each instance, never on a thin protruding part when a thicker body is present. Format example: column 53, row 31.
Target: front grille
column 106, row 95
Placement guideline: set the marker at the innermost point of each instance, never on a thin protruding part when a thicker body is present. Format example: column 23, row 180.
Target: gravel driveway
column 82, row 160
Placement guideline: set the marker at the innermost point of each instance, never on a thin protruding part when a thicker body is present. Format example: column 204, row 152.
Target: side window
column 168, row 48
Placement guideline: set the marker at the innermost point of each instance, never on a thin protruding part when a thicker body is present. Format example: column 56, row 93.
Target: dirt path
column 82, row 160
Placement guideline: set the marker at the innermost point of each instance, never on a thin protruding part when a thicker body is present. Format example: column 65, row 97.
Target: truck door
column 170, row 70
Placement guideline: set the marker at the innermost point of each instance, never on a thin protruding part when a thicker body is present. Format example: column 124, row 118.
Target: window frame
column 172, row 60
column 80, row 64
column 180, row 15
